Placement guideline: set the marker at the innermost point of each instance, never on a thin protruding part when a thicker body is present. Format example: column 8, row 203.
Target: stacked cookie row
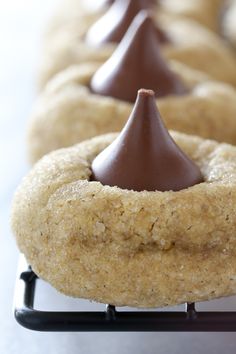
column 82, row 48
column 142, row 217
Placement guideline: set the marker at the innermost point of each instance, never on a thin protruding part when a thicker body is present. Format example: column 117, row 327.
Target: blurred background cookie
column 183, row 40
column 229, row 23
column 90, row 99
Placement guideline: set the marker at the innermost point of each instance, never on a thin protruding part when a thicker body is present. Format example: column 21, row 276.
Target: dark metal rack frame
column 111, row 320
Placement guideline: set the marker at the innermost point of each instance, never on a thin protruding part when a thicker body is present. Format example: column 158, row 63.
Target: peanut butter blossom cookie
column 183, row 40
column 88, row 100
column 71, row 12
column 142, row 218
column 73, row 15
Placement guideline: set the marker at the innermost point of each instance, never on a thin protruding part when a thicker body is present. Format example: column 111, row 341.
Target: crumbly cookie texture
column 67, row 112
column 143, row 249
column 192, row 45
column 229, row 23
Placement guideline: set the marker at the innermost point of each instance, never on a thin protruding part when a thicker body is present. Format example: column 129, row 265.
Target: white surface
column 21, row 22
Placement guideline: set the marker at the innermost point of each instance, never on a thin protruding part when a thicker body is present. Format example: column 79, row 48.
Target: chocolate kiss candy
column 144, row 156
column 136, row 63
column 114, row 24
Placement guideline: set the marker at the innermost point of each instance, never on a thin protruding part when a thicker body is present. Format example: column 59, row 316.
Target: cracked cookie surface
column 143, row 249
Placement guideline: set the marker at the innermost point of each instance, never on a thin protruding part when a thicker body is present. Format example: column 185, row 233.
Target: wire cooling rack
column 111, row 320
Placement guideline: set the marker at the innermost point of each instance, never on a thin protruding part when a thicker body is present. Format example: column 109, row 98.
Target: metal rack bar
column 111, row 320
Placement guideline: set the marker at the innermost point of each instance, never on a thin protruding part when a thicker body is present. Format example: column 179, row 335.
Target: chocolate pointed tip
column 144, row 156
column 145, row 92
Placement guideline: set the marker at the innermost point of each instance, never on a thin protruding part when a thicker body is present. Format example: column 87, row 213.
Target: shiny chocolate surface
column 113, row 25
column 144, row 156
column 137, row 62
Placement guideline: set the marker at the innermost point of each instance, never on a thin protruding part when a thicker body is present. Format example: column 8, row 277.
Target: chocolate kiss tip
column 137, row 62
column 144, row 156
column 112, row 26
column 145, row 92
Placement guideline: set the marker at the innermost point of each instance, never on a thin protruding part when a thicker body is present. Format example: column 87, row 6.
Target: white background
column 21, row 24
